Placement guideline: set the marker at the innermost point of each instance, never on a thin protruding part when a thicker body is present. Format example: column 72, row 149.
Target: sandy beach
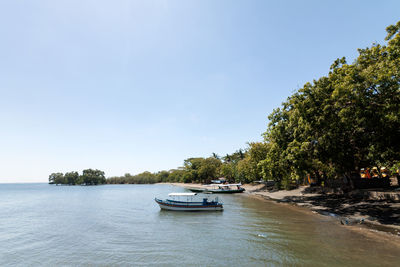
column 374, row 215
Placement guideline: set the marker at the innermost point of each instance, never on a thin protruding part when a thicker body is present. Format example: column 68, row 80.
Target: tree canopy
column 88, row 177
column 342, row 122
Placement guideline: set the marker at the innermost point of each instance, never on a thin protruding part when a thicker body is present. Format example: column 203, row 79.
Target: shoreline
column 349, row 213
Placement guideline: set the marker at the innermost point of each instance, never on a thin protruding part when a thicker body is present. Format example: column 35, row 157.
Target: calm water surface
column 121, row 225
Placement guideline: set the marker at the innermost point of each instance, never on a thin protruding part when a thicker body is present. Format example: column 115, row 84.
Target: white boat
column 189, row 202
column 220, row 188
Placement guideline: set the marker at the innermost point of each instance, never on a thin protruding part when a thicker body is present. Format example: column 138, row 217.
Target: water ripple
column 123, row 226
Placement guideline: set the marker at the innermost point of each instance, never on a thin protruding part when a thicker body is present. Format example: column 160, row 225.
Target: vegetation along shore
column 339, row 133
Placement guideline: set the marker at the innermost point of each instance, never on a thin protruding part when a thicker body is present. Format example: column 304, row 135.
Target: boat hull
column 184, row 206
column 193, row 189
column 217, row 191
column 220, row 191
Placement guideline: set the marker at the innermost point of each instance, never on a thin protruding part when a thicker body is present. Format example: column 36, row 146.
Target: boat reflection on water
column 189, row 202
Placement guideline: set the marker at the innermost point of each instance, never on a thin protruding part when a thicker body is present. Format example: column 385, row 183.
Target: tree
column 228, row 171
column 209, row 169
column 342, row 122
column 215, row 155
column 56, row 178
column 93, row 177
column 176, row 175
column 162, row 176
column 72, row 178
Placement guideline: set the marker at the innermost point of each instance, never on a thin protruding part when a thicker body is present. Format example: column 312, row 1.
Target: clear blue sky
column 129, row 86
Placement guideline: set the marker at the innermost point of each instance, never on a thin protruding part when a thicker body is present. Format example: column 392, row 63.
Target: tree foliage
column 342, row 122
column 88, row 177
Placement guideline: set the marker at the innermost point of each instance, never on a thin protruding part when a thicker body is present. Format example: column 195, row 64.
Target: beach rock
column 352, row 221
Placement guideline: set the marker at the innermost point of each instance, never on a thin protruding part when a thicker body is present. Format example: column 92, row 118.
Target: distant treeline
column 141, row 178
column 88, row 177
column 234, row 167
column 329, row 129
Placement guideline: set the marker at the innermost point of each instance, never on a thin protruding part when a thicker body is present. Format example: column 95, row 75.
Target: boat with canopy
column 189, row 202
column 220, row 188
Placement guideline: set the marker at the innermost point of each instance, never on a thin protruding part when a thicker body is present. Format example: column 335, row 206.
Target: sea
column 121, row 225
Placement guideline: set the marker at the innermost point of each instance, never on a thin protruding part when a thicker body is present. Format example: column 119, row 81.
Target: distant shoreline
column 365, row 219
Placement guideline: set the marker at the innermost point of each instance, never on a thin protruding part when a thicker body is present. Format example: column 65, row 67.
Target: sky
column 129, row 86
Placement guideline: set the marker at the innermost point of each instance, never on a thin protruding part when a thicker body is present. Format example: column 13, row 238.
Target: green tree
column 72, row 178
column 56, row 178
column 176, row 175
column 162, row 176
column 93, row 177
column 342, row 122
column 209, row 169
column 228, row 171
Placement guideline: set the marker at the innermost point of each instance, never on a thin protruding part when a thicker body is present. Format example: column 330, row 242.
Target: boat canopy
column 182, row 194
